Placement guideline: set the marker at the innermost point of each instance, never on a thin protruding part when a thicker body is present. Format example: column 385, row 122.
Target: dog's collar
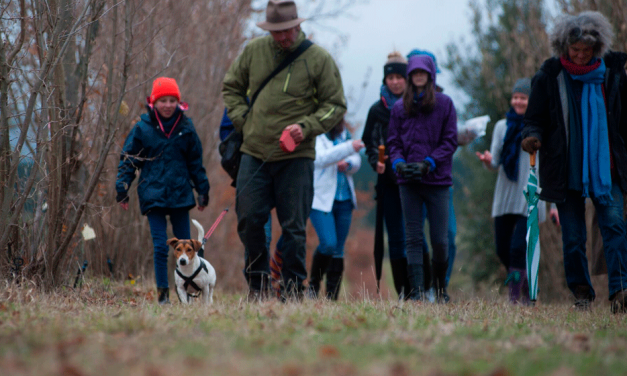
column 189, row 281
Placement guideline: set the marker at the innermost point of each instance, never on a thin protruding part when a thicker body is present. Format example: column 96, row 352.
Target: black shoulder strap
column 287, row 61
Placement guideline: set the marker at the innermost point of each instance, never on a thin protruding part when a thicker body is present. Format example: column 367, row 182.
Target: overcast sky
column 377, row 27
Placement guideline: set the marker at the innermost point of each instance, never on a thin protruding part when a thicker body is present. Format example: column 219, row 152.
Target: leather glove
column 121, row 197
column 203, row 200
column 425, row 167
column 531, row 144
column 401, row 167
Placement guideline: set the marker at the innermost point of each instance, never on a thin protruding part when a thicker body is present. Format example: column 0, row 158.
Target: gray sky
column 378, row 27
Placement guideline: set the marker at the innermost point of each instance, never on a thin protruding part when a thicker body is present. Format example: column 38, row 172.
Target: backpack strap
column 289, row 59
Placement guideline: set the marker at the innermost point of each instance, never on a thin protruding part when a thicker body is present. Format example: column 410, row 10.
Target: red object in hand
column 286, row 142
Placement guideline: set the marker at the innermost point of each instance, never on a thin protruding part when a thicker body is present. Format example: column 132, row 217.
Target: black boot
column 399, row 273
column 319, row 266
column 439, row 281
column 415, row 274
column 428, row 271
column 164, row 295
column 334, row 278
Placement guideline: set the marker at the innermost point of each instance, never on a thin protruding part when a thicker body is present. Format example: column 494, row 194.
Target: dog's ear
column 172, row 241
column 197, row 245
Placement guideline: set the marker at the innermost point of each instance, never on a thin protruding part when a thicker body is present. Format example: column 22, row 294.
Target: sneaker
column 430, row 295
column 583, row 298
column 619, row 302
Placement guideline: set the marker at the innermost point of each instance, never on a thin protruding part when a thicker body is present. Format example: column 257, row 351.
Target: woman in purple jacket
column 422, row 138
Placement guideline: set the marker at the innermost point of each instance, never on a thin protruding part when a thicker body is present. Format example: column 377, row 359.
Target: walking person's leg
column 324, row 224
column 517, row 277
column 255, row 199
column 293, row 183
column 503, row 233
column 343, row 213
column 572, row 214
column 158, row 231
column 612, row 225
column 452, row 233
column 393, row 216
column 412, row 203
column 437, row 199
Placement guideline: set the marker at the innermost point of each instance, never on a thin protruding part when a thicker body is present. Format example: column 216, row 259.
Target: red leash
column 214, row 226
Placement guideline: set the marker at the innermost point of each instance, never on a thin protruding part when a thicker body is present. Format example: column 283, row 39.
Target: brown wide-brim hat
column 280, row 15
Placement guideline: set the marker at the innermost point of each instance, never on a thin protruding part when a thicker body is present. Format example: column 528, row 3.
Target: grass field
column 118, row 330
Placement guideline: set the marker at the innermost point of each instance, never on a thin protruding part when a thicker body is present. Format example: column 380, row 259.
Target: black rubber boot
column 399, row 273
column 334, row 278
column 439, row 282
column 319, row 266
column 164, row 295
column 415, row 274
column 428, row 271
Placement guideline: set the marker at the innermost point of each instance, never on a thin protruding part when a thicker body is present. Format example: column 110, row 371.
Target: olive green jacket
column 308, row 92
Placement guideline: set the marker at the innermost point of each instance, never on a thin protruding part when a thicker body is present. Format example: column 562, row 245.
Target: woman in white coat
column 337, row 159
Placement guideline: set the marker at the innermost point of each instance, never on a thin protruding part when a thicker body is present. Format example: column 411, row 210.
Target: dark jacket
column 170, row 167
column 375, row 134
column 547, row 114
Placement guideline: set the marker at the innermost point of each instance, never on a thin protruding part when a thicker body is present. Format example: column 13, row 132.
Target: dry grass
column 113, row 330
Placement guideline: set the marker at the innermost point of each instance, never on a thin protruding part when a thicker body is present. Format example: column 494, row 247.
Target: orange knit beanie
column 163, row 87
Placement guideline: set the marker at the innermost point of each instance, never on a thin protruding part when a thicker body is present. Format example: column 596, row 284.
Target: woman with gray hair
column 575, row 119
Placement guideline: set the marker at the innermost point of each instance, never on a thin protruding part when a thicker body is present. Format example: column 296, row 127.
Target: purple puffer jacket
column 425, row 135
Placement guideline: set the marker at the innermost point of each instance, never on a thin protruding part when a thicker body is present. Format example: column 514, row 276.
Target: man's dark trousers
column 288, row 186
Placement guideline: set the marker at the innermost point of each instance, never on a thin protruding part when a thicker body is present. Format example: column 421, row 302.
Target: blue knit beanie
column 416, row 51
column 523, row 86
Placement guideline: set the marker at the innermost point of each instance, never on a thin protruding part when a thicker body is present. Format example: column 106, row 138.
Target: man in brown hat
column 304, row 99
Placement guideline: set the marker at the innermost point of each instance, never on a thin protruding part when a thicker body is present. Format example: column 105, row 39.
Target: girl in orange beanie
column 165, row 147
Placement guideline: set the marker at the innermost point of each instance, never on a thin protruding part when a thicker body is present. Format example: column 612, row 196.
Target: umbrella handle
column 532, row 159
column 381, row 153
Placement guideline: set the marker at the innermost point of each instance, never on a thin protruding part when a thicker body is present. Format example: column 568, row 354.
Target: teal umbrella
column 533, row 231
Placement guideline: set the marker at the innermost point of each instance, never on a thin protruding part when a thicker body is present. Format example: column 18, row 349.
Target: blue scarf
column 387, row 97
column 511, row 144
column 597, row 177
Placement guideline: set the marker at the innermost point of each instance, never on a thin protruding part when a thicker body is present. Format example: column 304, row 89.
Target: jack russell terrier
column 194, row 276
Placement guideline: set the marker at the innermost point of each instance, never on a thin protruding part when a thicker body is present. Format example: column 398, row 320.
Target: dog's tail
column 201, row 230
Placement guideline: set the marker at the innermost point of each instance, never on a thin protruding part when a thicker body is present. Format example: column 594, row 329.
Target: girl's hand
column 555, row 217
column 124, row 205
column 486, row 158
column 380, row 167
column 342, row 166
column 358, row 145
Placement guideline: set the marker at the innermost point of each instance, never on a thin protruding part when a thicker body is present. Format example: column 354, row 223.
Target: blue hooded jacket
column 170, row 167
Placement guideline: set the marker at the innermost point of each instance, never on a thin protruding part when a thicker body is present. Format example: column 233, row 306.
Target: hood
column 423, row 62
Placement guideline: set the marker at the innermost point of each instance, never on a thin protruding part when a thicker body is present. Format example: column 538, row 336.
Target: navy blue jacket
column 170, row 168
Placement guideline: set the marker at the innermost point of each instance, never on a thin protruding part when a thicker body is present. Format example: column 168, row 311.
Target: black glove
column 203, row 200
column 401, row 167
column 425, row 167
column 415, row 171
column 121, row 197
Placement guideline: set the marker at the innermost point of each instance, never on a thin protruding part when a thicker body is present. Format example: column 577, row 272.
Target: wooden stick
column 532, row 159
column 381, row 153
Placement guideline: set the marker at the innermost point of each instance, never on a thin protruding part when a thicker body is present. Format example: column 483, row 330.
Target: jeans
column 179, row 218
column 510, row 236
column 452, row 232
column 613, row 232
column 288, row 186
column 393, row 216
column 332, row 228
column 414, row 198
